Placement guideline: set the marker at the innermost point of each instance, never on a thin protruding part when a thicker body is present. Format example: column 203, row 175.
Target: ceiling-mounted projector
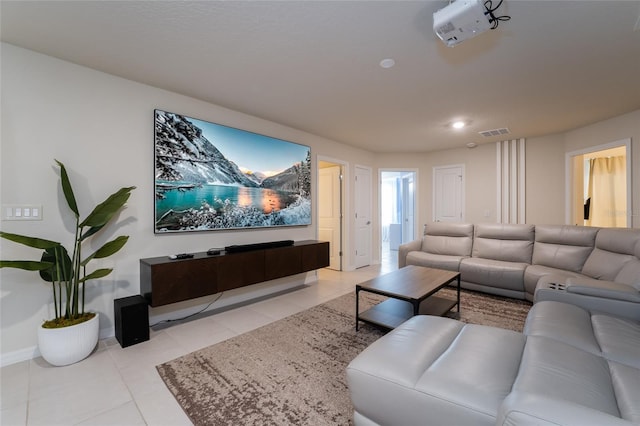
column 461, row 20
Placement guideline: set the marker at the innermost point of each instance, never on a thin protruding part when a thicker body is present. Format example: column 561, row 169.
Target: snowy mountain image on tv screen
column 209, row 176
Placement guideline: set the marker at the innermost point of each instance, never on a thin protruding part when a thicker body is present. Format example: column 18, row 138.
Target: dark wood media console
column 164, row 281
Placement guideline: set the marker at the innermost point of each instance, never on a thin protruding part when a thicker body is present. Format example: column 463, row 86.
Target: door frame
column 568, row 174
column 416, row 195
column 344, row 206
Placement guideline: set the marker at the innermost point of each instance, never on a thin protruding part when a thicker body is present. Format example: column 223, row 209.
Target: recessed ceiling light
column 458, row 124
column 387, row 63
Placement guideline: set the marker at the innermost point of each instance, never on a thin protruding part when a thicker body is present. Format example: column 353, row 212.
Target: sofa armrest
column 601, row 288
column 523, row 409
column 404, row 250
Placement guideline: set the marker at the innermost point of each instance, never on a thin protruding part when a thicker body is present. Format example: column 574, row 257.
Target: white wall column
column 510, row 172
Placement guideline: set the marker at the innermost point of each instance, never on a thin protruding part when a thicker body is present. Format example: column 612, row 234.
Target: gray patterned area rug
column 292, row 371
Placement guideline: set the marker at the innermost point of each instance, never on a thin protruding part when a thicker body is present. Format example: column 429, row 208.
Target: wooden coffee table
column 411, row 292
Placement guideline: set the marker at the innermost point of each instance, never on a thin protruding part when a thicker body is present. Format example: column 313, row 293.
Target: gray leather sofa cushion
column 602, row 288
column 626, row 384
column 561, row 371
column 526, row 409
column 454, row 239
column 590, row 360
column 613, row 338
column 555, row 288
column 439, row 261
column 583, row 381
column 630, row 272
column 562, row 322
column 493, row 273
column 613, row 249
column 435, row 370
column 405, row 249
column 562, row 246
column 611, row 384
column 506, row 242
column 443, row 246
column 619, row 339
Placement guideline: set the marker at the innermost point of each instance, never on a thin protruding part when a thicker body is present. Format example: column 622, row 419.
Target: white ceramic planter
column 68, row 345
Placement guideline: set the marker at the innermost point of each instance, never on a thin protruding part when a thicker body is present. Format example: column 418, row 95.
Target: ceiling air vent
column 495, row 132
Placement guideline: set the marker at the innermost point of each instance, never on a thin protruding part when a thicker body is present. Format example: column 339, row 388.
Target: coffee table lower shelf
column 393, row 312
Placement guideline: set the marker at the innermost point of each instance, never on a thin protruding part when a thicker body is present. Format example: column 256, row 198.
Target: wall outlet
column 21, row 212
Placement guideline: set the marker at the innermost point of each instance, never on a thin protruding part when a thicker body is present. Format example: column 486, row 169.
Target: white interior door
column 330, row 212
column 362, row 189
column 448, row 193
column 408, row 207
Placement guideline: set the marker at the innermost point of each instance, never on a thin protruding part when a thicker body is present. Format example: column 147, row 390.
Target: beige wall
column 101, row 127
column 545, row 180
column 545, row 171
column 480, row 178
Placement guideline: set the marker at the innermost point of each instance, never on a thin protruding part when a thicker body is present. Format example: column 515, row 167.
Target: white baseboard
column 33, row 352
column 19, row 356
column 106, row 333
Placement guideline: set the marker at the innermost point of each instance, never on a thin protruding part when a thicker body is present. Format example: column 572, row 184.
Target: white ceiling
column 313, row 65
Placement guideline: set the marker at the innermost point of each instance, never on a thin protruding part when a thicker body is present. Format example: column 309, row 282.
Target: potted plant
column 73, row 333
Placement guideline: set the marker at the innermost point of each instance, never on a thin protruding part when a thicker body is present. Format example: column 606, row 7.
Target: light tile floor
column 117, row 386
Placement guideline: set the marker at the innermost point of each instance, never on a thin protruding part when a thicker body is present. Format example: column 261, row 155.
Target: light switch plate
column 21, row 212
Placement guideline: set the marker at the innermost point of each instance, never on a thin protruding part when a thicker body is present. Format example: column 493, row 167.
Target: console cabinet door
column 240, row 269
column 282, row 262
column 315, row 256
column 182, row 280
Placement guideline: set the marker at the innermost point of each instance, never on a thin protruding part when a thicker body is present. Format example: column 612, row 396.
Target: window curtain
column 607, row 192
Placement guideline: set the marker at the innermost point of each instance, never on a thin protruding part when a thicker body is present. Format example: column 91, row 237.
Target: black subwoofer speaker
column 132, row 320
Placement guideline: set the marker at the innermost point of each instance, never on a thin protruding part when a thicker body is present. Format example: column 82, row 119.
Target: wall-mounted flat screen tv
column 213, row 177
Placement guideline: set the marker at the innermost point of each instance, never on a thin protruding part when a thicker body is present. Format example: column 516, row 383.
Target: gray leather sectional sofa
column 587, row 266
column 570, row 366
column 577, row 361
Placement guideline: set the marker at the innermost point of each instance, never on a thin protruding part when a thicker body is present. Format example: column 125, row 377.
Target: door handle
column 368, row 222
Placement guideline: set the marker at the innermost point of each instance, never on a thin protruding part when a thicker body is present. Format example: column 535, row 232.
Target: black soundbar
column 257, row 246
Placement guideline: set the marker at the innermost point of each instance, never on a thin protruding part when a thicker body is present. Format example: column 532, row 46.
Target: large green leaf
column 27, row 265
column 68, row 190
column 38, row 243
column 90, row 232
column 98, row 273
column 108, row 249
column 104, row 211
column 62, row 267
